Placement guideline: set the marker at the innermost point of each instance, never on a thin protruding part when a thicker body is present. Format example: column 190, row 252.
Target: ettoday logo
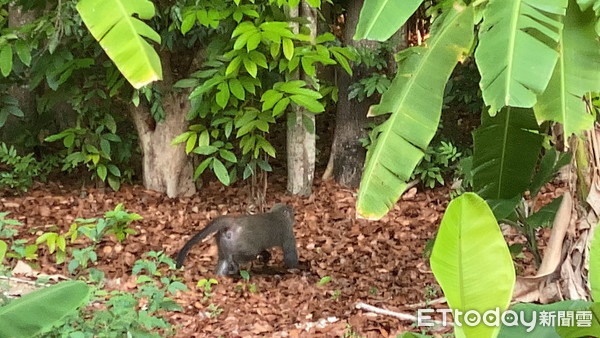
column 496, row 318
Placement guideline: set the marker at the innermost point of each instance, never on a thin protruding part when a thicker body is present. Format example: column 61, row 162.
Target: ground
column 381, row 263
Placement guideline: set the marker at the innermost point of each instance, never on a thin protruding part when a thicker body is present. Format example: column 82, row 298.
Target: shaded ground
column 379, row 262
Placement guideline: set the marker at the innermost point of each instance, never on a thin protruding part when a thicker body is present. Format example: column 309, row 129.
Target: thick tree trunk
column 347, row 156
column 166, row 168
column 17, row 18
column 20, row 91
column 301, row 145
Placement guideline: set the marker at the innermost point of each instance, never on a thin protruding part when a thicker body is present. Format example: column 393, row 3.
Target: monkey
column 242, row 239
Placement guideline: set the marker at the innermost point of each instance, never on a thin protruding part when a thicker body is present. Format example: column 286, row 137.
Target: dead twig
column 23, row 281
column 402, row 316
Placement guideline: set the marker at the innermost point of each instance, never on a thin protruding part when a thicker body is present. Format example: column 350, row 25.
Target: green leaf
column 191, row 143
column 221, row 171
column 202, row 166
column 223, row 94
column 3, row 116
column 114, row 183
column 205, row 150
column 505, row 151
column 6, row 61
column 91, row 149
column 228, row 128
column 517, row 50
column 186, row 83
column 248, row 116
column 266, row 146
column 204, row 138
column 181, row 138
column 114, row 170
column 275, row 48
column 244, row 27
column 503, row 208
column 415, row 100
column 14, row 110
column 68, row 140
column 296, row 87
column 3, row 249
column 245, row 129
column 234, row 65
column 227, row 155
column 23, row 52
column 342, row 61
column 280, row 107
column 55, row 137
column 544, row 217
column 576, row 73
column 117, row 26
column 262, row 125
column 549, row 166
column 280, row 28
column 105, row 146
column 472, row 263
column 249, row 84
column 188, row 22
column 102, row 171
column 324, row 280
column 39, row 310
column 288, row 48
column 250, row 67
column 264, row 165
column 259, row 58
column 309, row 103
column 380, row 19
column 237, row 89
column 270, row 98
column 44, row 237
column 253, row 41
column 61, row 243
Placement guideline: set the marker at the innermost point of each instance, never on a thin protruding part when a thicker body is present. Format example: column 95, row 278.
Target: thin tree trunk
column 301, row 145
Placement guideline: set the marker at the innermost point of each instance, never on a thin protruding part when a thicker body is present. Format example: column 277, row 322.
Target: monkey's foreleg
column 264, row 256
column 290, row 255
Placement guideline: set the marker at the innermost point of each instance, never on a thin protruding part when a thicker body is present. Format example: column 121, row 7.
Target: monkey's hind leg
column 226, row 264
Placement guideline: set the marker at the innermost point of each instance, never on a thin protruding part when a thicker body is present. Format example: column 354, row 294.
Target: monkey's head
column 286, row 210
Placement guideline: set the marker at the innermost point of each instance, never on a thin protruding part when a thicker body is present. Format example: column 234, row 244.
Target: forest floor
column 381, row 263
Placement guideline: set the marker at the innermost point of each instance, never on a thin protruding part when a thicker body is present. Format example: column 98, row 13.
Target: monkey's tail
column 214, row 226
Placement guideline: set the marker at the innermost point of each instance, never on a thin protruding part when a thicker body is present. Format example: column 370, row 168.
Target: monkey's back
column 248, row 236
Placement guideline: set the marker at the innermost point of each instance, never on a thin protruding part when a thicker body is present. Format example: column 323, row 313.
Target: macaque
column 242, row 239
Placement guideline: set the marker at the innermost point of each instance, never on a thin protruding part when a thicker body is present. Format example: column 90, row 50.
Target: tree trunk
column 165, row 168
column 301, row 145
column 347, row 156
column 17, row 17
